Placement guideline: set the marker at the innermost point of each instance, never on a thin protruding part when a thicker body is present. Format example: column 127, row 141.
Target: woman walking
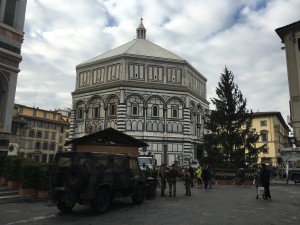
column 257, row 183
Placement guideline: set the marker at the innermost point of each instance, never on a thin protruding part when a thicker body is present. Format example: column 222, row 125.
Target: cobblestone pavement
column 222, row 205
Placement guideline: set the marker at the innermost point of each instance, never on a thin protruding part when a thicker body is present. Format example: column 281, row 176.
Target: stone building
column 38, row 133
column 147, row 92
column 290, row 37
column 12, row 16
column 274, row 132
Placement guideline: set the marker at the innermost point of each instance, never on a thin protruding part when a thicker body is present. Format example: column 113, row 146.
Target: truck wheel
column 102, row 201
column 139, row 194
column 76, row 177
column 296, row 178
column 62, row 206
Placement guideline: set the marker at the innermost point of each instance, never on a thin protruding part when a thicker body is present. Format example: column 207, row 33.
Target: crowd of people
column 203, row 177
column 188, row 173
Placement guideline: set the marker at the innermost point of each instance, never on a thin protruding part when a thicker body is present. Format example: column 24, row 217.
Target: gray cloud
column 208, row 34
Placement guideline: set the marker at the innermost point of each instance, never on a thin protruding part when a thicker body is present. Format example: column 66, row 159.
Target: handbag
column 260, row 190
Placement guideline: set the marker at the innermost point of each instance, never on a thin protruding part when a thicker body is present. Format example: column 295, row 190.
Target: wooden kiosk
column 109, row 141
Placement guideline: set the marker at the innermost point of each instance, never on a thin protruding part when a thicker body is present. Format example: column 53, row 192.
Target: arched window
column 149, row 126
column 169, row 127
column 264, row 136
column 80, row 112
column 134, row 125
column 112, row 106
column 94, row 108
column 135, row 109
column 112, row 110
column 155, row 110
column 160, row 127
column 179, row 128
column 96, row 112
column 155, row 107
column 155, row 126
column 174, row 111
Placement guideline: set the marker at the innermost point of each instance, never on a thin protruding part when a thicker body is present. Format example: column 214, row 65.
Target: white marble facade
column 145, row 91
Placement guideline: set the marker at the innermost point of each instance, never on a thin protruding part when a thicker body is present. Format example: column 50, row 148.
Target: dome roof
column 137, row 47
column 141, row 47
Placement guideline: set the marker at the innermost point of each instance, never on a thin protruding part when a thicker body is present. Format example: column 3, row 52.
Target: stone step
column 3, row 187
column 8, row 195
column 8, row 192
column 17, row 198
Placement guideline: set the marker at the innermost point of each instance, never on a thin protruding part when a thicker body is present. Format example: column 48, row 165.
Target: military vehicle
column 95, row 179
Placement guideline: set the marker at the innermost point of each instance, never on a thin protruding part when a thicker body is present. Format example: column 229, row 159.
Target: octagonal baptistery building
column 145, row 91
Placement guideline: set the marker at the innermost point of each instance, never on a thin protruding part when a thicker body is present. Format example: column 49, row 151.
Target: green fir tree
column 230, row 139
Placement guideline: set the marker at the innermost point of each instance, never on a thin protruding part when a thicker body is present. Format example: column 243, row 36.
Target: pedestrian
column 210, row 182
column 192, row 173
column 199, row 176
column 206, row 176
column 172, row 177
column 187, row 181
column 163, row 180
column 241, row 176
column 265, row 181
column 256, row 182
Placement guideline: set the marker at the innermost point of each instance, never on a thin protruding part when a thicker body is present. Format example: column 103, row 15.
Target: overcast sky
column 209, row 34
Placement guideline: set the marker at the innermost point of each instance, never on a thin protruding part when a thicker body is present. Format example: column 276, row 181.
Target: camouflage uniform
column 163, row 181
column 187, row 182
column 172, row 176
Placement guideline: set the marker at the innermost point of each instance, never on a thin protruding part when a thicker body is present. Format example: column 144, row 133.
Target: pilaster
column 186, row 121
column 121, row 118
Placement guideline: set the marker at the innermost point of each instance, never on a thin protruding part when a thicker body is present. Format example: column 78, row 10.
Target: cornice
column 132, row 58
column 143, row 85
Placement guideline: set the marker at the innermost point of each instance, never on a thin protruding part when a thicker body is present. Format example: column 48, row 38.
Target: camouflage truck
column 95, row 179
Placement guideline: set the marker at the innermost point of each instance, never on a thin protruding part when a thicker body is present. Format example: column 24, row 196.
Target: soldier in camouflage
column 187, row 181
column 163, row 180
column 172, row 176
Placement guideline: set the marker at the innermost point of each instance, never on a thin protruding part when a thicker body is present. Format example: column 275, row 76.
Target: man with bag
column 265, row 181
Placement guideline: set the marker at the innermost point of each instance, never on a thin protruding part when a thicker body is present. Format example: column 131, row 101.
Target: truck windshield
column 145, row 160
column 63, row 162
